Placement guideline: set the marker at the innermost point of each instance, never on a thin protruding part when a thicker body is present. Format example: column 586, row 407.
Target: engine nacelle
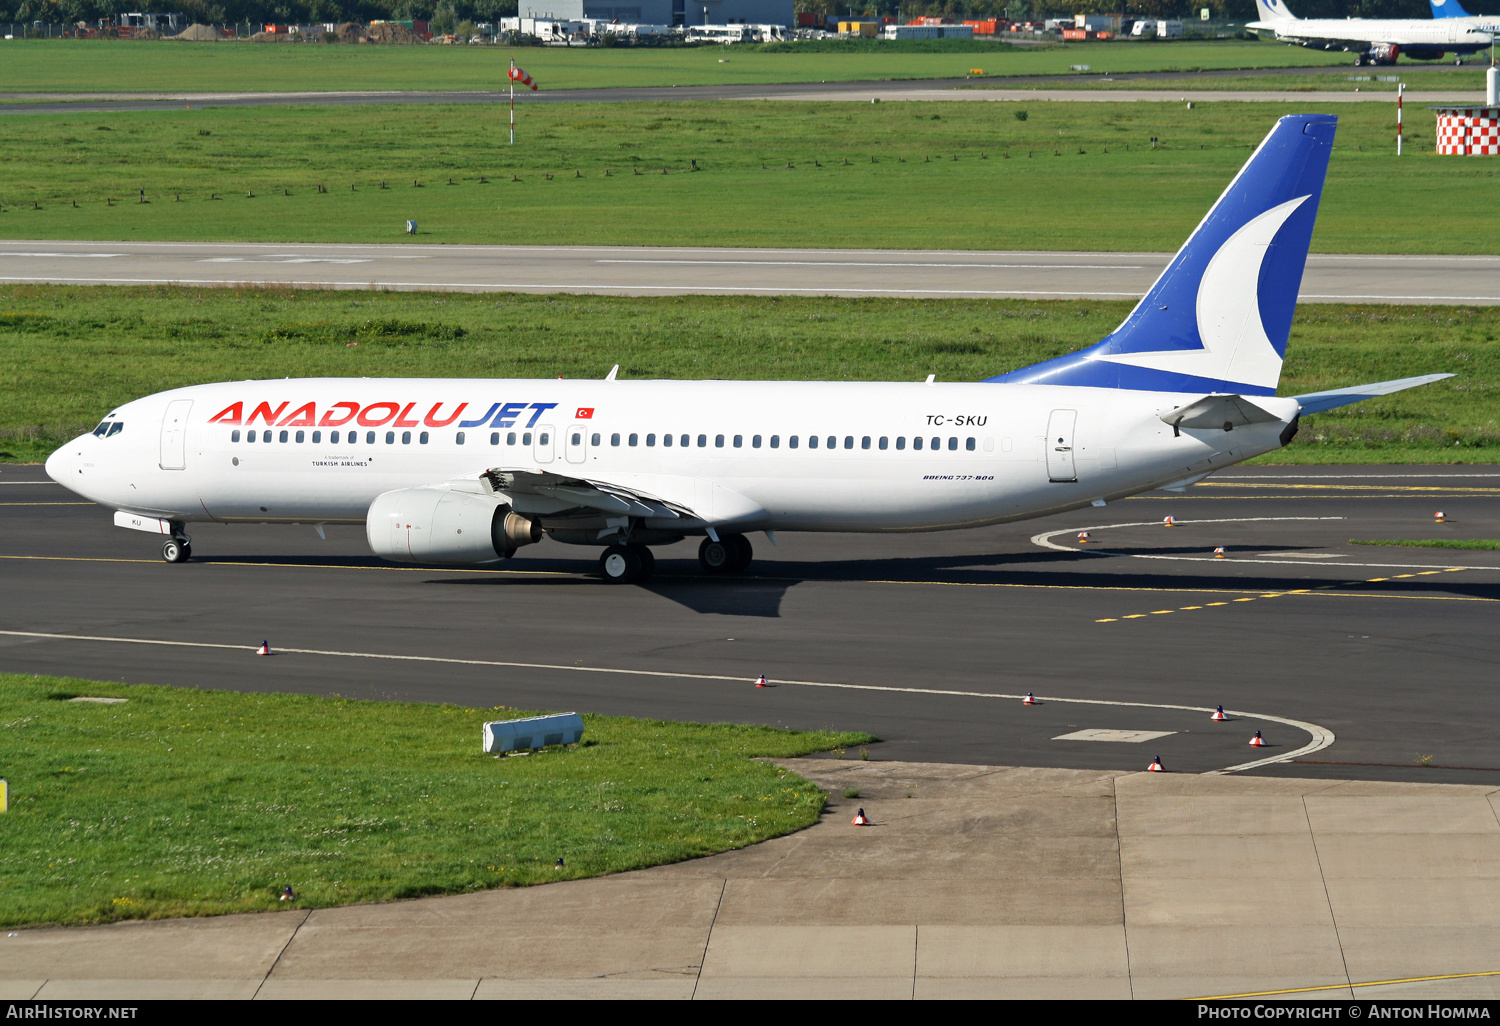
column 436, row 525
column 1384, row 53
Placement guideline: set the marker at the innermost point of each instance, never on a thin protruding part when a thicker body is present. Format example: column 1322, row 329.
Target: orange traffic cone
column 1083, row 537
column 860, row 819
column 1156, row 766
column 1218, row 716
column 1440, row 517
column 1168, row 522
column 1030, row 699
column 265, row 648
column 1257, row 741
column 1219, row 552
column 760, row 681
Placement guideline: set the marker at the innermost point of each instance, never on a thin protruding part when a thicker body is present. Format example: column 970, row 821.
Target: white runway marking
column 871, row 263
column 85, row 256
column 1321, row 737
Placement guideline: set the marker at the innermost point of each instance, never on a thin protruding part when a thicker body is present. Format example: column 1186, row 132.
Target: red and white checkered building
column 1468, row 131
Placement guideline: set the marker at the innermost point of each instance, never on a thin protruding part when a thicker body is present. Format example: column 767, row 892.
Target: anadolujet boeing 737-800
column 1372, row 40
column 468, row 471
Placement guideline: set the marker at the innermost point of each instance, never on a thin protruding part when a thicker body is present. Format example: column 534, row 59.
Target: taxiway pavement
column 629, row 270
column 925, row 641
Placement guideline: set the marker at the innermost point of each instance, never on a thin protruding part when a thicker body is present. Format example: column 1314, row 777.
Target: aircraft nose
column 59, row 464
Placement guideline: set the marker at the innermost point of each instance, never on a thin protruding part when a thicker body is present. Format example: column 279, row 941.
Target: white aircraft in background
column 1452, row 10
column 470, row 470
column 1372, row 40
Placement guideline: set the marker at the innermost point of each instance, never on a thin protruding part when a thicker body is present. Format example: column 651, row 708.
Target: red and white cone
column 1168, row 522
column 860, row 819
column 1030, row 699
column 265, row 648
column 1219, row 552
column 1257, row 741
column 1440, row 517
column 1218, row 716
column 760, row 681
column 1156, row 766
column 1083, row 537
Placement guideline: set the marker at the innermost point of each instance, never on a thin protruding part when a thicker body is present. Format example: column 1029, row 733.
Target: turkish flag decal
column 584, row 413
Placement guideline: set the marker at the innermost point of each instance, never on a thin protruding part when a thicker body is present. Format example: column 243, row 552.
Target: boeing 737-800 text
column 468, row 471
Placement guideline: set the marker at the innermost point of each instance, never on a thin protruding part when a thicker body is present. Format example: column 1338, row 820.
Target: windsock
column 519, row 76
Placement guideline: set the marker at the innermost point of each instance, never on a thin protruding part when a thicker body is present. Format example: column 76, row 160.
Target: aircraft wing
column 588, row 493
column 1317, row 402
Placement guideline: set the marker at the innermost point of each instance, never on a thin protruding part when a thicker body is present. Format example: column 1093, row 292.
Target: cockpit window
column 116, row 428
column 102, row 429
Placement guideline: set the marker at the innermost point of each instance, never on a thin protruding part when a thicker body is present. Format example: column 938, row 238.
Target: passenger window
column 595, row 439
column 495, row 437
column 249, row 436
column 406, row 438
column 333, row 437
column 510, row 438
column 422, row 438
column 703, row 441
column 666, row 440
column 577, row 438
column 458, row 439
column 776, row 441
column 812, row 442
column 916, row 443
column 901, row 442
column 317, row 437
column 791, row 443
column 234, row 436
column 864, row 443
column 635, row 439
column 283, row 437
column 369, row 437
column 390, row 438
column 718, row 441
column 683, row 441
column 952, row 444
column 300, row 436
column 525, row 437
column 739, row 441
column 884, row 441
column 849, row 441
column 543, row 438
column 832, row 442
column 754, row 442
column 614, row 439
column 969, row 444
column 650, row 440
column 937, row 443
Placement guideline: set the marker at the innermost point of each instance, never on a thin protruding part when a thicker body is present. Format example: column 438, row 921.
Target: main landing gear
column 627, row 564
column 731, row 554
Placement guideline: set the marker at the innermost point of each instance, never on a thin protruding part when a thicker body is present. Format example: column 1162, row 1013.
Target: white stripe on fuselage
column 1119, row 447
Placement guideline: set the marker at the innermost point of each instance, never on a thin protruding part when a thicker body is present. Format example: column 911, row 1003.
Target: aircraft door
column 1059, row 445
column 174, row 435
column 576, row 445
column 542, row 447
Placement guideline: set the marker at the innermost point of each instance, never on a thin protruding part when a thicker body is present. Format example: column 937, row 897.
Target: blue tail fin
column 1217, row 319
column 1448, row 9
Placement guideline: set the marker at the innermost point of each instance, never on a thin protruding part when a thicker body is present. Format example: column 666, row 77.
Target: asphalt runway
column 628, row 270
column 38, row 103
column 926, row 641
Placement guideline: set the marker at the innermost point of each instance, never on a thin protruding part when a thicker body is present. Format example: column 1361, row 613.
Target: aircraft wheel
column 648, row 561
column 717, row 557
column 620, row 564
column 176, row 550
column 744, row 552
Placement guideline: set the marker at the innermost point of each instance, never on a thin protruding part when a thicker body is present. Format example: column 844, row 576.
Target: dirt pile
column 391, row 34
column 199, row 33
column 350, row 32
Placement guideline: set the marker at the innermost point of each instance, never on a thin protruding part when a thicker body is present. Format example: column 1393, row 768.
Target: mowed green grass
column 1072, row 176
column 83, row 66
column 185, row 802
column 69, row 354
column 1432, row 543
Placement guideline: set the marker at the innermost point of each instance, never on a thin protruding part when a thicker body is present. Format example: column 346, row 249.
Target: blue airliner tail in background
column 1447, row 9
column 1217, row 319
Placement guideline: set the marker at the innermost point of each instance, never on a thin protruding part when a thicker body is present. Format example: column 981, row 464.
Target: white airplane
column 1372, row 40
column 469, row 470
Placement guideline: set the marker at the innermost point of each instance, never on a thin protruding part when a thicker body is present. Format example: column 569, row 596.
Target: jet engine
column 437, row 525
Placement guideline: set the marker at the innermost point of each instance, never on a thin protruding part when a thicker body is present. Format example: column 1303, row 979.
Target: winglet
column 1317, row 402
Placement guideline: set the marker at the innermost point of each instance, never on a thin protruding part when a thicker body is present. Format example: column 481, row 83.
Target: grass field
column 1424, row 77
column 185, row 802
column 904, row 175
column 1432, row 543
column 69, row 354
column 83, row 66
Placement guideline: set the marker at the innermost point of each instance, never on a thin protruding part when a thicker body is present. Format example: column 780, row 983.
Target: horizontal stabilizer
column 1218, row 411
column 1317, row 402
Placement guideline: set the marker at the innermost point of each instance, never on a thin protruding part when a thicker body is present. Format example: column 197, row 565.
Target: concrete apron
column 970, row 882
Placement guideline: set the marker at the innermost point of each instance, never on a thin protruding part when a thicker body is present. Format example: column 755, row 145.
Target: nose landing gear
column 176, row 550
column 731, row 554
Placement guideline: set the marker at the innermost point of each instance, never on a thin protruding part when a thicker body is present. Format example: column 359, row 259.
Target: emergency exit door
column 1059, row 445
column 542, row 448
column 174, row 435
